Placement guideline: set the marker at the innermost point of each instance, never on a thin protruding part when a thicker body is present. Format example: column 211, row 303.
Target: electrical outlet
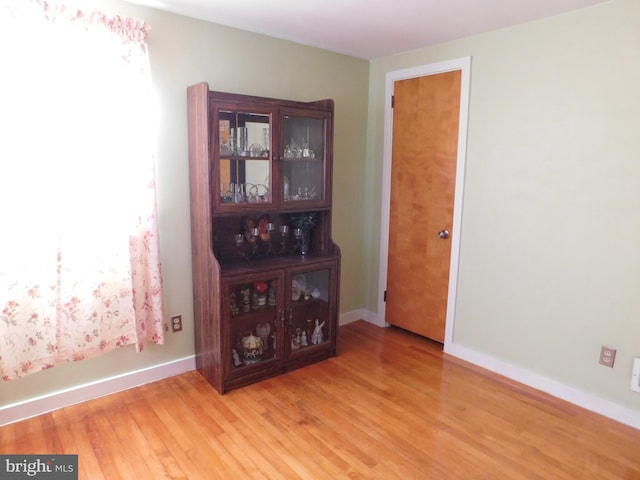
column 635, row 375
column 607, row 356
column 176, row 323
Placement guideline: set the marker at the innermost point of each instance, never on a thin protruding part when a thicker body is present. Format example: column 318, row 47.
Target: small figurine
column 236, row 358
column 253, row 349
column 272, row 295
column 233, row 304
column 316, row 336
column 303, row 339
column 263, row 330
column 261, row 294
column 246, row 300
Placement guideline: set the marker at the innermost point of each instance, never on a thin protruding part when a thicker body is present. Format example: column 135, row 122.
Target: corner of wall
column 361, row 314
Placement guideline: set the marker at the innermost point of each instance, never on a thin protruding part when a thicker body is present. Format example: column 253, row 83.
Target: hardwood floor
column 389, row 406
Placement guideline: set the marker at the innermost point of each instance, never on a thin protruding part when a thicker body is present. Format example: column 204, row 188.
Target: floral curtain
column 79, row 256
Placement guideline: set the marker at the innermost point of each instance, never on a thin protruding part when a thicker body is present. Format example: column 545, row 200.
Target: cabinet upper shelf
column 269, row 155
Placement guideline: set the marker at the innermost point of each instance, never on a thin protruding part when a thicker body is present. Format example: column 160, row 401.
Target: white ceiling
column 368, row 28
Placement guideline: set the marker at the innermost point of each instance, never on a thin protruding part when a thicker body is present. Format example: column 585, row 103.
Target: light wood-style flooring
column 391, row 405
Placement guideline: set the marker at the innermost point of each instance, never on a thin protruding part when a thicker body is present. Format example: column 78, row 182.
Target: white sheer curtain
column 79, row 256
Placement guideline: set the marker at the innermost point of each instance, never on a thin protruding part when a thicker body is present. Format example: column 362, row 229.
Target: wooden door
column 423, row 169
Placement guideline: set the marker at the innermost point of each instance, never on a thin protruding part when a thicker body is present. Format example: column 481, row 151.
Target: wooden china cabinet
column 265, row 269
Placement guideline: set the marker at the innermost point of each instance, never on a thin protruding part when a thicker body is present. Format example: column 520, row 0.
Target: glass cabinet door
column 243, row 170
column 311, row 306
column 304, row 158
column 253, row 319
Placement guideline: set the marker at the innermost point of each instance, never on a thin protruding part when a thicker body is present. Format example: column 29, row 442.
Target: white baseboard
column 64, row 398
column 361, row 314
column 352, row 316
column 552, row 387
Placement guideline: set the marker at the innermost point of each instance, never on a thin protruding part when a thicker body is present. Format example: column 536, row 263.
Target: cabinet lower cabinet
column 276, row 321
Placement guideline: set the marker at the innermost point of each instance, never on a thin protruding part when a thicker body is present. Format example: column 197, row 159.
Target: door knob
column 443, row 234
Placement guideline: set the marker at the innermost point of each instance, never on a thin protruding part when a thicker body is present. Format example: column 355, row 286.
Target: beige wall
column 183, row 52
column 549, row 262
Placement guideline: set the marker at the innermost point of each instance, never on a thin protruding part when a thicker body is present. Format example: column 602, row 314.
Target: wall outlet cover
column 607, row 356
column 176, row 323
column 635, row 375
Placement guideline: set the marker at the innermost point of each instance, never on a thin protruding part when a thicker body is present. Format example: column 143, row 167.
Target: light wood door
column 423, row 169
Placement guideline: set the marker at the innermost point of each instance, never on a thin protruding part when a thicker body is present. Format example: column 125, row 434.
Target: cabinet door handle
column 281, row 318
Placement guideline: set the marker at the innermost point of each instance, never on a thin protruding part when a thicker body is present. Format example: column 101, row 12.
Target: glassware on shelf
column 225, row 193
column 286, row 188
column 233, row 141
column 303, row 240
column 244, row 192
column 260, row 241
column 293, row 150
column 306, row 151
column 256, row 150
column 257, row 193
column 265, row 142
column 284, row 233
column 243, row 139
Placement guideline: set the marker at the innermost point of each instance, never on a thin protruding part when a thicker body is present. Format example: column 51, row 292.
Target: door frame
column 464, row 65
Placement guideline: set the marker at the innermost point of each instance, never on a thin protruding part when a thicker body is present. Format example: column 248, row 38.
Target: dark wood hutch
column 265, row 269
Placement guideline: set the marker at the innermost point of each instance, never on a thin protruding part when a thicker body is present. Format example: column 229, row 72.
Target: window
column 80, row 267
